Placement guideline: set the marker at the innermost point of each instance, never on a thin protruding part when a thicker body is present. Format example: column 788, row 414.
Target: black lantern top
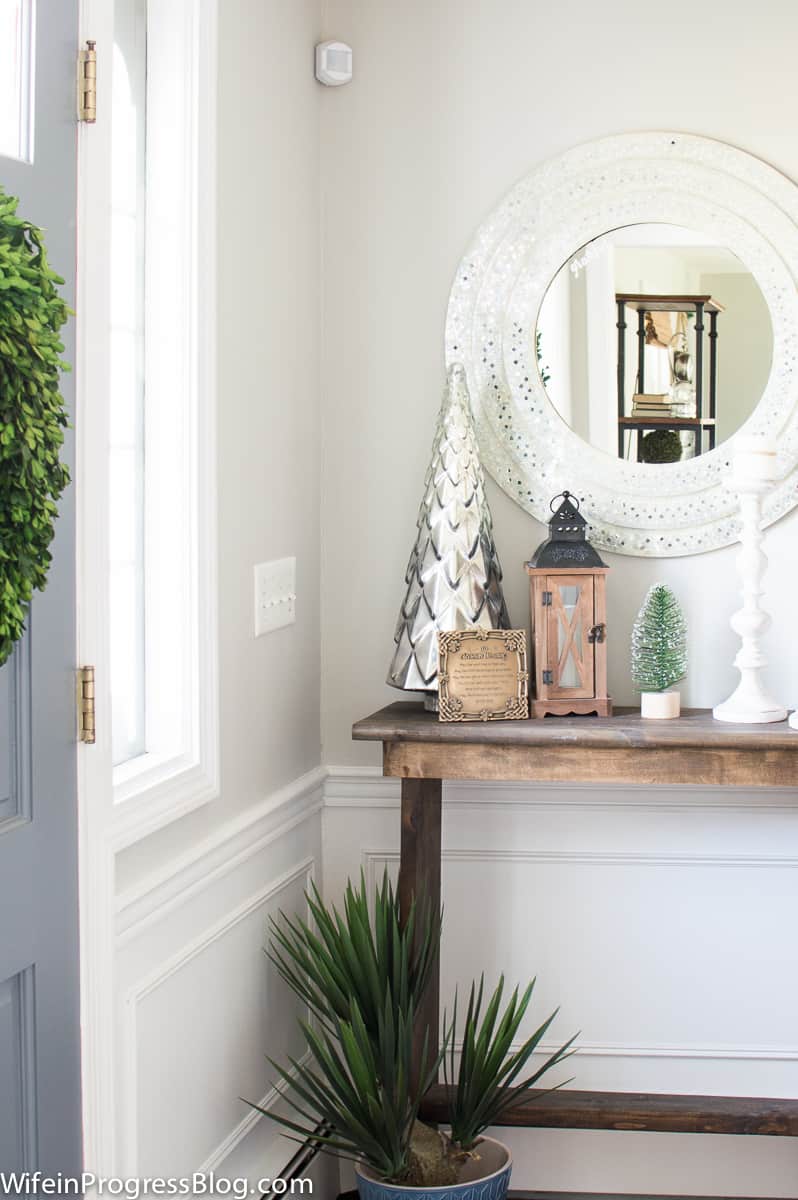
column 566, row 545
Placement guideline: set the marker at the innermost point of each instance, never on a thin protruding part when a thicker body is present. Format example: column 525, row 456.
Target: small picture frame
column 483, row 675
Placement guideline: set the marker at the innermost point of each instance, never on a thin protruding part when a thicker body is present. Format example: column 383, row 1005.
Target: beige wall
column 268, row 385
column 268, row 406
column 452, row 102
column 745, row 352
column 197, row 1006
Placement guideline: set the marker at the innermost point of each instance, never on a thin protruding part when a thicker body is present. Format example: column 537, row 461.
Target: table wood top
column 408, row 721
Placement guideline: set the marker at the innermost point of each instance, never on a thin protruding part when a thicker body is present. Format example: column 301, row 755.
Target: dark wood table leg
column 420, row 875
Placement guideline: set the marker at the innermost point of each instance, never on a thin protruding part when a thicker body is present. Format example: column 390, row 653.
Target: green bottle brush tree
column 659, row 647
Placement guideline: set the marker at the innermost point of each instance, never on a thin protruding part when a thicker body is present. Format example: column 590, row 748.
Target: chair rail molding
column 227, row 848
column 366, row 787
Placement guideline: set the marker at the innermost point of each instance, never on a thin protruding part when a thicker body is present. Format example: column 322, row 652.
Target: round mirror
column 654, row 343
column 625, row 312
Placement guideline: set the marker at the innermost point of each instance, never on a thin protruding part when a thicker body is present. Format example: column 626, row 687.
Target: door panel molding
column 16, row 808
column 18, row 1073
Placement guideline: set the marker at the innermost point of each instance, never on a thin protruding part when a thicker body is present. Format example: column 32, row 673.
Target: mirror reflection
column 654, row 343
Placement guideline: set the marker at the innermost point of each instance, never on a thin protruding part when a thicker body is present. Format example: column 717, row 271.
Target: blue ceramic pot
column 494, row 1157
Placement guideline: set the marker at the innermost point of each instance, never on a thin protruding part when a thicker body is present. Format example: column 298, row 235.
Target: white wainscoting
column 661, row 920
column 199, row 1006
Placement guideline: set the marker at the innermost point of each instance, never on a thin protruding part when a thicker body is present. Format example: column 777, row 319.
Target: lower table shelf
column 652, row 1111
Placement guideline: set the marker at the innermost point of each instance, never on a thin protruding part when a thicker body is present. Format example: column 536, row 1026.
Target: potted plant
column 661, row 446
column 659, row 653
column 362, row 977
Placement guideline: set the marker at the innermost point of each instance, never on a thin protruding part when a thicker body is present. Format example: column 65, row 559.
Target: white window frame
column 23, row 151
column 182, row 773
column 179, row 771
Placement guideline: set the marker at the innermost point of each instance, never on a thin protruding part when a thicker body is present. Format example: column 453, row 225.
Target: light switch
column 275, row 595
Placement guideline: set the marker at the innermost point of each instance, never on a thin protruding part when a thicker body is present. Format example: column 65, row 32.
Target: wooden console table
column 694, row 750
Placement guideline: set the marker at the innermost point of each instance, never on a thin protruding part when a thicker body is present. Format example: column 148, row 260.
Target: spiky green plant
column 360, row 1087
column 659, row 642
column 489, row 1066
column 351, row 958
column 362, row 976
column 545, row 373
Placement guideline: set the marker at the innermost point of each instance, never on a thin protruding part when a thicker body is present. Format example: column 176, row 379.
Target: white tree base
column 794, row 720
column 660, row 706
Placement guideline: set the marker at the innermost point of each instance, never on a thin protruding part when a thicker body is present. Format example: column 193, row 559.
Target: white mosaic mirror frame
column 659, row 511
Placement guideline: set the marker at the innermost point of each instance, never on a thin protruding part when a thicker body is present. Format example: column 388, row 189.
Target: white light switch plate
column 275, row 595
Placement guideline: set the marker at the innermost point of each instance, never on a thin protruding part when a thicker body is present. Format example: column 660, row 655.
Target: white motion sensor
column 333, row 63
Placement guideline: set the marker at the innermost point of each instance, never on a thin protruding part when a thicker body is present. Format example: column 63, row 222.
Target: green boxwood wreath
column 32, row 416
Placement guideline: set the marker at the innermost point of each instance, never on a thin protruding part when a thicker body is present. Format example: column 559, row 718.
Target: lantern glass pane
column 570, row 629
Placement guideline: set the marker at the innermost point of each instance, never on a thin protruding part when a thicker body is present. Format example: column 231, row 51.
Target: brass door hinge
column 87, row 84
column 86, row 730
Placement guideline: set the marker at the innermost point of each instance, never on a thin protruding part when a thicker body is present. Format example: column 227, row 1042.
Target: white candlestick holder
column 750, row 703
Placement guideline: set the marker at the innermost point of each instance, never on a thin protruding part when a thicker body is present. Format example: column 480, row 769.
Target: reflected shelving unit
column 703, row 423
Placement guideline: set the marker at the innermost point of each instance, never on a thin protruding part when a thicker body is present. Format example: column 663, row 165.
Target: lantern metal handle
column 566, row 495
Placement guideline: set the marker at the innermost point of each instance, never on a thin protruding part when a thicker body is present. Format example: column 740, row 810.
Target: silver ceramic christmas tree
column 453, row 577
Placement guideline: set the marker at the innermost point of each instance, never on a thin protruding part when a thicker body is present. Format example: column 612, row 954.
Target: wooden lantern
column 568, row 601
